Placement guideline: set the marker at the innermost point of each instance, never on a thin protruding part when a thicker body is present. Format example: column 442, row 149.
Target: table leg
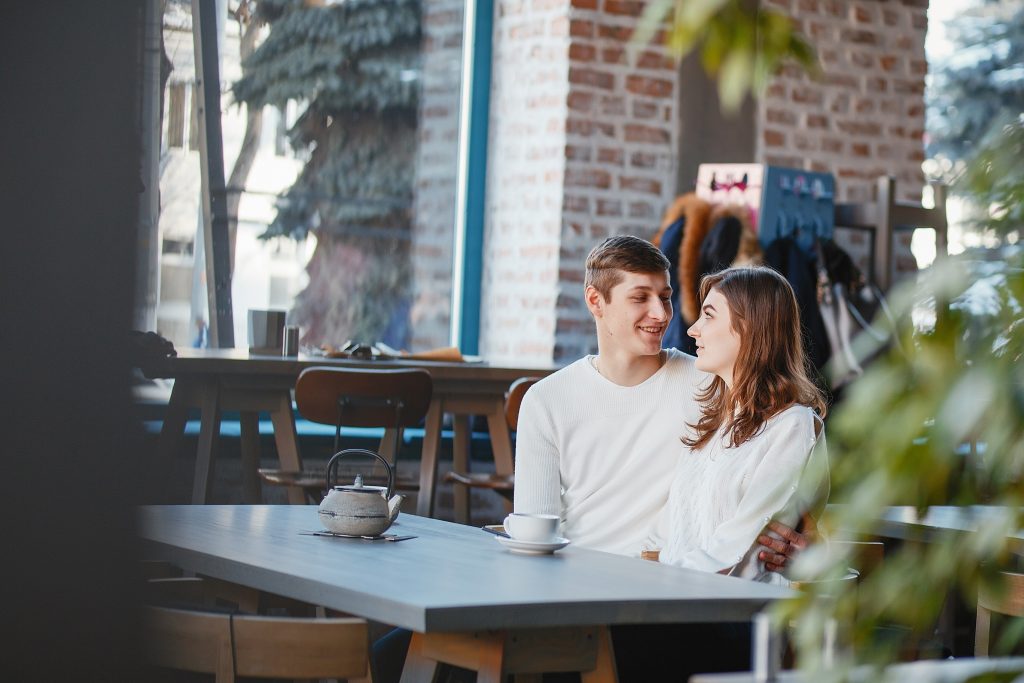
column 491, row 663
column 480, row 651
column 604, row 670
column 523, row 653
column 428, row 461
column 209, row 430
column 250, row 424
column 287, row 441
column 501, row 443
column 460, row 463
column 390, row 444
column 418, row 669
column 170, row 435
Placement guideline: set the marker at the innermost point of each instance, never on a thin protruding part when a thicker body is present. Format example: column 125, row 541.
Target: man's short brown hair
column 616, row 255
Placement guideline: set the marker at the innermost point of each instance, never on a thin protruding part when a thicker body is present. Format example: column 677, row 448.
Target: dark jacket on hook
column 786, row 256
column 730, row 241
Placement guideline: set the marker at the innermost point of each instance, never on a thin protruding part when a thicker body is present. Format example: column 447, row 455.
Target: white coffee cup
column 523, row 526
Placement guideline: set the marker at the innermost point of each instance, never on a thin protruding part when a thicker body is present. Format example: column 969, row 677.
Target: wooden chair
column 231, row 646
column 502, row 484
column 393, row 399
column 1007, row 600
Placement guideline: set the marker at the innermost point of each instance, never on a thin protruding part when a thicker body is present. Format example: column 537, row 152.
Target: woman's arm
column 782, row 548
column 785, row 446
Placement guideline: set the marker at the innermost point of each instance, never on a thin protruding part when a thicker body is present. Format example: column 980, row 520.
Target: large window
column 340, row 141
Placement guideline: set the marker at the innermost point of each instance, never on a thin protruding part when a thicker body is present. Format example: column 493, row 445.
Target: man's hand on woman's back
column 780, row 550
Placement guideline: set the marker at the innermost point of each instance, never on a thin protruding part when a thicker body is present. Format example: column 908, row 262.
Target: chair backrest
column 363, row 398
column 1006, row 599
column 516, row 392
column 229, row 646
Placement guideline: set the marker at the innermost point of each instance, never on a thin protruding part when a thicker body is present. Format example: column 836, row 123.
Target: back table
column 234, row 379
column 453, row 585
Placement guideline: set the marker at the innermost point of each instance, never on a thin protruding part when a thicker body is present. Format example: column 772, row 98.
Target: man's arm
column 538, row 484
column 779, row 552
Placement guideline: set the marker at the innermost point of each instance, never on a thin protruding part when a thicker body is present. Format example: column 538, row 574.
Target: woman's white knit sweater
column 722, row 497
column 602, row 455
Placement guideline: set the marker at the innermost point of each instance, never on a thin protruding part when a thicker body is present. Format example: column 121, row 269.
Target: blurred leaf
column 937, row 421
column 740, row 44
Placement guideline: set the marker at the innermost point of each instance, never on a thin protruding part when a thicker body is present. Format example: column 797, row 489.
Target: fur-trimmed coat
column 701, row 218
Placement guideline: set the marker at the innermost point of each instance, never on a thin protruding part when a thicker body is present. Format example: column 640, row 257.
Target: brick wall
column 436, row 171
column 582, row 147
column 865, row 116
column 584, row 135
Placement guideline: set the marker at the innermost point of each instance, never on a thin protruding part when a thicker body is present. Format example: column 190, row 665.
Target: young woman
column 757, row 452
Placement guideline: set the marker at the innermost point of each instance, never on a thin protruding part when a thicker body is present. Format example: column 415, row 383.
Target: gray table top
column 904, row 522
column 450, row 578
column 240, row 361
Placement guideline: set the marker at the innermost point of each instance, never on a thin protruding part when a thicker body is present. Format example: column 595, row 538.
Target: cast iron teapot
column 358, row 510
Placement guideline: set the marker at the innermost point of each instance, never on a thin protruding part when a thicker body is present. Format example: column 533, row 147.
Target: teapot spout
column 393, row 505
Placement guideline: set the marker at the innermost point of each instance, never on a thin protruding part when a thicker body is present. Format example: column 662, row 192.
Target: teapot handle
column 332, row 467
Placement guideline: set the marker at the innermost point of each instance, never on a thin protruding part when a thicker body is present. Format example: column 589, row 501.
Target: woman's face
column 718, row 345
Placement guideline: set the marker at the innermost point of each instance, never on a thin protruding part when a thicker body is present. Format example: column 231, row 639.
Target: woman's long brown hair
column 771, row 372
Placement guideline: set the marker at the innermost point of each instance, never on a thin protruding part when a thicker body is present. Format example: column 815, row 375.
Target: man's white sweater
column 602, row 455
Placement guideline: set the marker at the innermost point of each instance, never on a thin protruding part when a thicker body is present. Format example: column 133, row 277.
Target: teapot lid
column 358, row 487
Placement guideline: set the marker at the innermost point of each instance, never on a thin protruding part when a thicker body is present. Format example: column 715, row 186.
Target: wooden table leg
column 501, row 443
column 428, row 461
column 418, row 669
column 175, row 418
column 287, row 441
column 460, row 463
column 250, row 425
column 209, row 430
column 491, row 664
column 604, row 671
column 480, row 651
column 390, row 445
column 523, row 653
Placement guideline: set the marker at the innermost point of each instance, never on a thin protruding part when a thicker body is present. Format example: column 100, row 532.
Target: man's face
column 634, row 317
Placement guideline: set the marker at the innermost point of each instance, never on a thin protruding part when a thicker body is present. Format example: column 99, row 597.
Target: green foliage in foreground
column 905, row 436
column 996, row 180
column 741, row 44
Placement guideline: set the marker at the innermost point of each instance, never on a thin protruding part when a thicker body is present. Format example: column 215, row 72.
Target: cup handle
column 507, row 523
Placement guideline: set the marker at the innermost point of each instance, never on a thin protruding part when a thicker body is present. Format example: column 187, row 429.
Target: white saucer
column 532, row 547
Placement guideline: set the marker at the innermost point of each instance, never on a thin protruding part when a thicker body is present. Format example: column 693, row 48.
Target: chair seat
column 484, row 480
column 503, row 484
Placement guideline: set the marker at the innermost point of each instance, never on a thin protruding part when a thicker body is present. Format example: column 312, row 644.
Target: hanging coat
column 799, row 267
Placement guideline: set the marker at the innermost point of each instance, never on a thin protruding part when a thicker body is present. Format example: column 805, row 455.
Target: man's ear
column 595, row 301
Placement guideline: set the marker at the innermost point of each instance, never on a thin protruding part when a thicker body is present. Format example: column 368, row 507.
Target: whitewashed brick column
column 436, row 172
column 583, row 134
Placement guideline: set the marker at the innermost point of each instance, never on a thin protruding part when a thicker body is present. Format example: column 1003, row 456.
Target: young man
column 598, row 440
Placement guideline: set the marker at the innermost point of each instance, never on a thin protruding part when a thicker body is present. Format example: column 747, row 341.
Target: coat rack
column 783, row 202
